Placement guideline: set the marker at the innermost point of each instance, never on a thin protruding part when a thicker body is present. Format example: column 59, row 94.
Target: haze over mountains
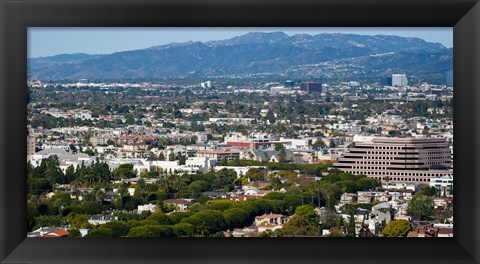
column 328, row 55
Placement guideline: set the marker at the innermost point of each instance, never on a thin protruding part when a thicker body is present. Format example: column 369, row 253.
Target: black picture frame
column 17, row 15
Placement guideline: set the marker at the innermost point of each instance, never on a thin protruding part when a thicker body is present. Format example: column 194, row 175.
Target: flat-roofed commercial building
column 400, row 159
column 219, row 155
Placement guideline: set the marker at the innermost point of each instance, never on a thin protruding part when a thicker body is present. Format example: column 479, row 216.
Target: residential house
column 49, row 232
column 348, row 198
column 336, row 229
column 181, row 204
column 242, row 198
column 147, row 207
column 270, row 222
column 380, row 216
column 250, row 231
column 365, row 198
column 100, row 219
column 270, row 219
column 215, row 195
column 424, row 231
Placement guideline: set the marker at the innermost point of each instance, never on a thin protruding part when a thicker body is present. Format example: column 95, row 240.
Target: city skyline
column 44, row 42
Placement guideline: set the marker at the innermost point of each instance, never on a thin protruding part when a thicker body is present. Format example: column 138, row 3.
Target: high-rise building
column 207, row 84
column 30, row 145
column 399, row 80
column 414, row 160
column 386, row 81
column 311, row 87
column 449, row 78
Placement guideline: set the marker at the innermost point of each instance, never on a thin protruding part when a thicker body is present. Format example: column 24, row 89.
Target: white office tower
column 207, row 84
column 399, row 80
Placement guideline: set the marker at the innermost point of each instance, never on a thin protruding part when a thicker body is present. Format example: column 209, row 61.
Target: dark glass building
column 311, row 87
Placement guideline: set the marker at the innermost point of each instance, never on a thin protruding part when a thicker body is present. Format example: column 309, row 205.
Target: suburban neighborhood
column 239, row 162
column 264, row 134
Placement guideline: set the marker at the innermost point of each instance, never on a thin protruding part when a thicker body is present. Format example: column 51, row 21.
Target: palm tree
column 99, row 196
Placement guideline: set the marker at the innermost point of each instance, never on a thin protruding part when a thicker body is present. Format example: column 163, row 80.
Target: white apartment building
column 399, row 80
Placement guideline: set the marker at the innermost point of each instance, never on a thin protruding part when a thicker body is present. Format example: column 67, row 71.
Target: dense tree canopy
column 397, row 228
column 421, row 207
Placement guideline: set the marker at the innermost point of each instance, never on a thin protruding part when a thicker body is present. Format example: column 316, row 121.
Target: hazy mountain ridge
column 254, row 52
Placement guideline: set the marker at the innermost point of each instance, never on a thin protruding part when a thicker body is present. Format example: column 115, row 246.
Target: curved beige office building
column 400, row 159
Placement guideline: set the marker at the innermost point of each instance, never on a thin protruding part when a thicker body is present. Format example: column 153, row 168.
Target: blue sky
column 53, row 41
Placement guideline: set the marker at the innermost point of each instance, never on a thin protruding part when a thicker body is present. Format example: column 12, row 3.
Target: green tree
column 38, row 185
column 49, row 221
column 124, row 171
column 118, row 228
column 300, row 225
column 130, row 203
column 100, row 232
column 91, row 208
column 176, row 217
column 331, row 220
column 151, row 231
column 397, row 228
column 282, row 154
column 266, row 156
column 220, row 204
column 421, row 207
column 428, row 191
column 197, row 187
column 223, row 162
column 183, row 230
column 60, row 200
column 235, row 217
column 161, row 156
column 224, row 180
column 336, row 234
column 274, row 196
column 309, row 213
column 160, row 217
column 70, row 174
column 255, row 174
column 206, row 222
column 50, row 170
column 74, row 232
column 318, row 144
column 77, row 220
column 332, row 144
column 351, row 232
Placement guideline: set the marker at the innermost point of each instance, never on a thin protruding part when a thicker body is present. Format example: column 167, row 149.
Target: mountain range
column 327, row 54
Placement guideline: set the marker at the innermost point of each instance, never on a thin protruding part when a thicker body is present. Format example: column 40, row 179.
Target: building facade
column 449, row 78
column 311, row 87
column 414, row 160
column 443, row 185
column 399, row 80
column 30, row 145
column 219, row 155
